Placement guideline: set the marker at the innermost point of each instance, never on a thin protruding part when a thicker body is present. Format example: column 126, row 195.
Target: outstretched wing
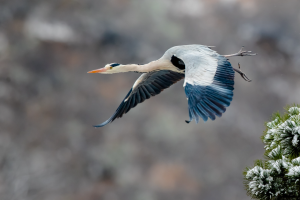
column 209, row 80
column 147, row 85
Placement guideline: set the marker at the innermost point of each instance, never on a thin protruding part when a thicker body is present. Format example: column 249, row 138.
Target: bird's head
column 109, row 69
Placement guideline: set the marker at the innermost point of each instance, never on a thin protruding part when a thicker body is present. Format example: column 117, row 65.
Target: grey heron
column 208, row 80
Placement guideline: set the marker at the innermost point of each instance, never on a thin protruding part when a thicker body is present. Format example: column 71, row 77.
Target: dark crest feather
column 115, row 64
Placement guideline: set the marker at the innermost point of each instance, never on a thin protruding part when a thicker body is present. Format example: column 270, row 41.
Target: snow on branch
column 278, row 176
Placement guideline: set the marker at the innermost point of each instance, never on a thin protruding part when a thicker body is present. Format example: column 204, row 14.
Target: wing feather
column 209, row 81
column 147, row 85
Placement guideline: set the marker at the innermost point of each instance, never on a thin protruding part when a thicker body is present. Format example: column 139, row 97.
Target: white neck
column 152, row 66
column 128, row 68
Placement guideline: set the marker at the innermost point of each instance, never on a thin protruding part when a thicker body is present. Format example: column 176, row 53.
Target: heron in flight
column 208, row 80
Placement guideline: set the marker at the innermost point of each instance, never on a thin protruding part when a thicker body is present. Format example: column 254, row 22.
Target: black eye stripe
column 115, row 64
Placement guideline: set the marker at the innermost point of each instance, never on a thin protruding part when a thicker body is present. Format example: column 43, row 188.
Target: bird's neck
column 129, row 68
column 152, row 66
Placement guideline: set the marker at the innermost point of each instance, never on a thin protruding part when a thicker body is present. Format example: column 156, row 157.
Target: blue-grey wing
column 209, row 80
column 147, row 85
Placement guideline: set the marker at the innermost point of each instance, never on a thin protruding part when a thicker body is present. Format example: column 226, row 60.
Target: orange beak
column 98, row 71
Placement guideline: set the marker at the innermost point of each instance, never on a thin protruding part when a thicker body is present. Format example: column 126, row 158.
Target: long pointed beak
column 98, row 71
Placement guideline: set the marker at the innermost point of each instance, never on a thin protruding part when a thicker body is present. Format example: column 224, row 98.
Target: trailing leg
column 241, row 53
column 243, row 75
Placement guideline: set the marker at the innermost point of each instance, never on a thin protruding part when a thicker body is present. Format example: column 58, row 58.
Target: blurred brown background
column 48, row 103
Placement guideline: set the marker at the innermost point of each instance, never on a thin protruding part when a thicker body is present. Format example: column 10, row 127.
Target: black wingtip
column 103, row 124
column 98, row 126
column 188, row 121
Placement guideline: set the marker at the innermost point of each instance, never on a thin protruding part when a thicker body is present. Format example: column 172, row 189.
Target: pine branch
column 278, row 176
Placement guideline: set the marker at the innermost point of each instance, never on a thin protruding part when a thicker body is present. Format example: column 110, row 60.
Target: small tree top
column 278, row 177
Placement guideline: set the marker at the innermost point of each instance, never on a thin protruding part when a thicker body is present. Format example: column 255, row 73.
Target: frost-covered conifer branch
column 278, row 177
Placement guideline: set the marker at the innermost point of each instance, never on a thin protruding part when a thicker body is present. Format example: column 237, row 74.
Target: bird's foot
column 242, row 53
column 243, row 75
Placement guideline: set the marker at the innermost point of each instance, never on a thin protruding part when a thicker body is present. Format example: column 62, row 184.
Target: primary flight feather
column 208, row 80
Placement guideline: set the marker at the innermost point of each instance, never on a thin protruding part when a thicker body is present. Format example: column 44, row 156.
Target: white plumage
column 200, row 61
column 209, row 80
